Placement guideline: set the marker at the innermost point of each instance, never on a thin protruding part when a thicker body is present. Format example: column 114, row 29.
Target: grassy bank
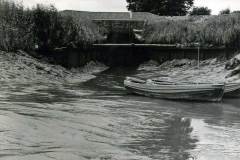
column 222, row 30
column 42, row 27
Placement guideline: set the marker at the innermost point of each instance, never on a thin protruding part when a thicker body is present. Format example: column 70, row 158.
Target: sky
column 120, row 5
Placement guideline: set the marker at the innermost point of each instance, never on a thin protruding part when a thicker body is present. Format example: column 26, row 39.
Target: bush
column 200, row 11
column 47, row 27
column 225, row 11
column 236, row 12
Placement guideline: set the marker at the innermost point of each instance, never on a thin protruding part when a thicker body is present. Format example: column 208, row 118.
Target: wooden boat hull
column 192, row 92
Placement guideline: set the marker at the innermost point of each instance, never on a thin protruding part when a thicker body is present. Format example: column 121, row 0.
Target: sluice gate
column 125, row 45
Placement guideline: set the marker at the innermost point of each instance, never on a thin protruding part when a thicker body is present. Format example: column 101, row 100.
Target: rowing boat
column 175, row 91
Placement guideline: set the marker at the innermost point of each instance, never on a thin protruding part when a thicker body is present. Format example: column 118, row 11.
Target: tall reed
column 221, row 30
column 15, row 26
column 43, row 27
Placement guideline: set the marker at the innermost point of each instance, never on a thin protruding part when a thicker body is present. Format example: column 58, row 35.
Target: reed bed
column 15, row 26
column 42, row 27
column 221, row 30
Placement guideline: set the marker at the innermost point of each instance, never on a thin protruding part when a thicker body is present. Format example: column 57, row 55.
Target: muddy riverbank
column 214, row 70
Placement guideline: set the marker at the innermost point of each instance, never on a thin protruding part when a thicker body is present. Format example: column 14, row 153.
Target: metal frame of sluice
column 159, row 46
column 135, row 45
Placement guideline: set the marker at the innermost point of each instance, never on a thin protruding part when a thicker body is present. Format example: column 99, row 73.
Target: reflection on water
column 166, row 139
column 98, row 120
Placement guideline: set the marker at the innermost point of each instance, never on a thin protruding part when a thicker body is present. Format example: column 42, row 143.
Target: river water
column 78, row 116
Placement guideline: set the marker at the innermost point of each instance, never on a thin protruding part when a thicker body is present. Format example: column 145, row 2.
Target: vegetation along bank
column 43, row 30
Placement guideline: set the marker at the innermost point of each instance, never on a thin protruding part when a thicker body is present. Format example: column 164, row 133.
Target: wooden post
column 198, row 57
column 130, row 27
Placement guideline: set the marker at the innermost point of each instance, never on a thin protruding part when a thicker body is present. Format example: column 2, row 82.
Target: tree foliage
column 200, row 11
column 161, row 7
column 225, row 11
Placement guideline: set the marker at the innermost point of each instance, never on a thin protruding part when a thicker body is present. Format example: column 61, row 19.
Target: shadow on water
column 109, row 82
column 39, row 93
column 221, row 114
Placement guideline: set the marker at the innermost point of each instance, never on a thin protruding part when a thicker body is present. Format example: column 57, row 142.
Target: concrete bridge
column 124, row 46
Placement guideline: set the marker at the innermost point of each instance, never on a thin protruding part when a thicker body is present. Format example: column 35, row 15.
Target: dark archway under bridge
column 118, row 31
column 135, row 54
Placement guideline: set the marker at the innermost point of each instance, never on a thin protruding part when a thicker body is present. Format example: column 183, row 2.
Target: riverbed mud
column 21, row 67
column 211, row 70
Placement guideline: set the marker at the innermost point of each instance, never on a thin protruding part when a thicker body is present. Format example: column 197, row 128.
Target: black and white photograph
column 119, row 79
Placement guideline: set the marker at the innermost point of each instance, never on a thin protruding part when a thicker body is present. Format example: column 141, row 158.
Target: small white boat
column 176, row 91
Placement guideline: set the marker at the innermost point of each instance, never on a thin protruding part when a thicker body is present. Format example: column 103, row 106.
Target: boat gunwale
column 174, row 91
column 170, row 83
column 170, row 86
